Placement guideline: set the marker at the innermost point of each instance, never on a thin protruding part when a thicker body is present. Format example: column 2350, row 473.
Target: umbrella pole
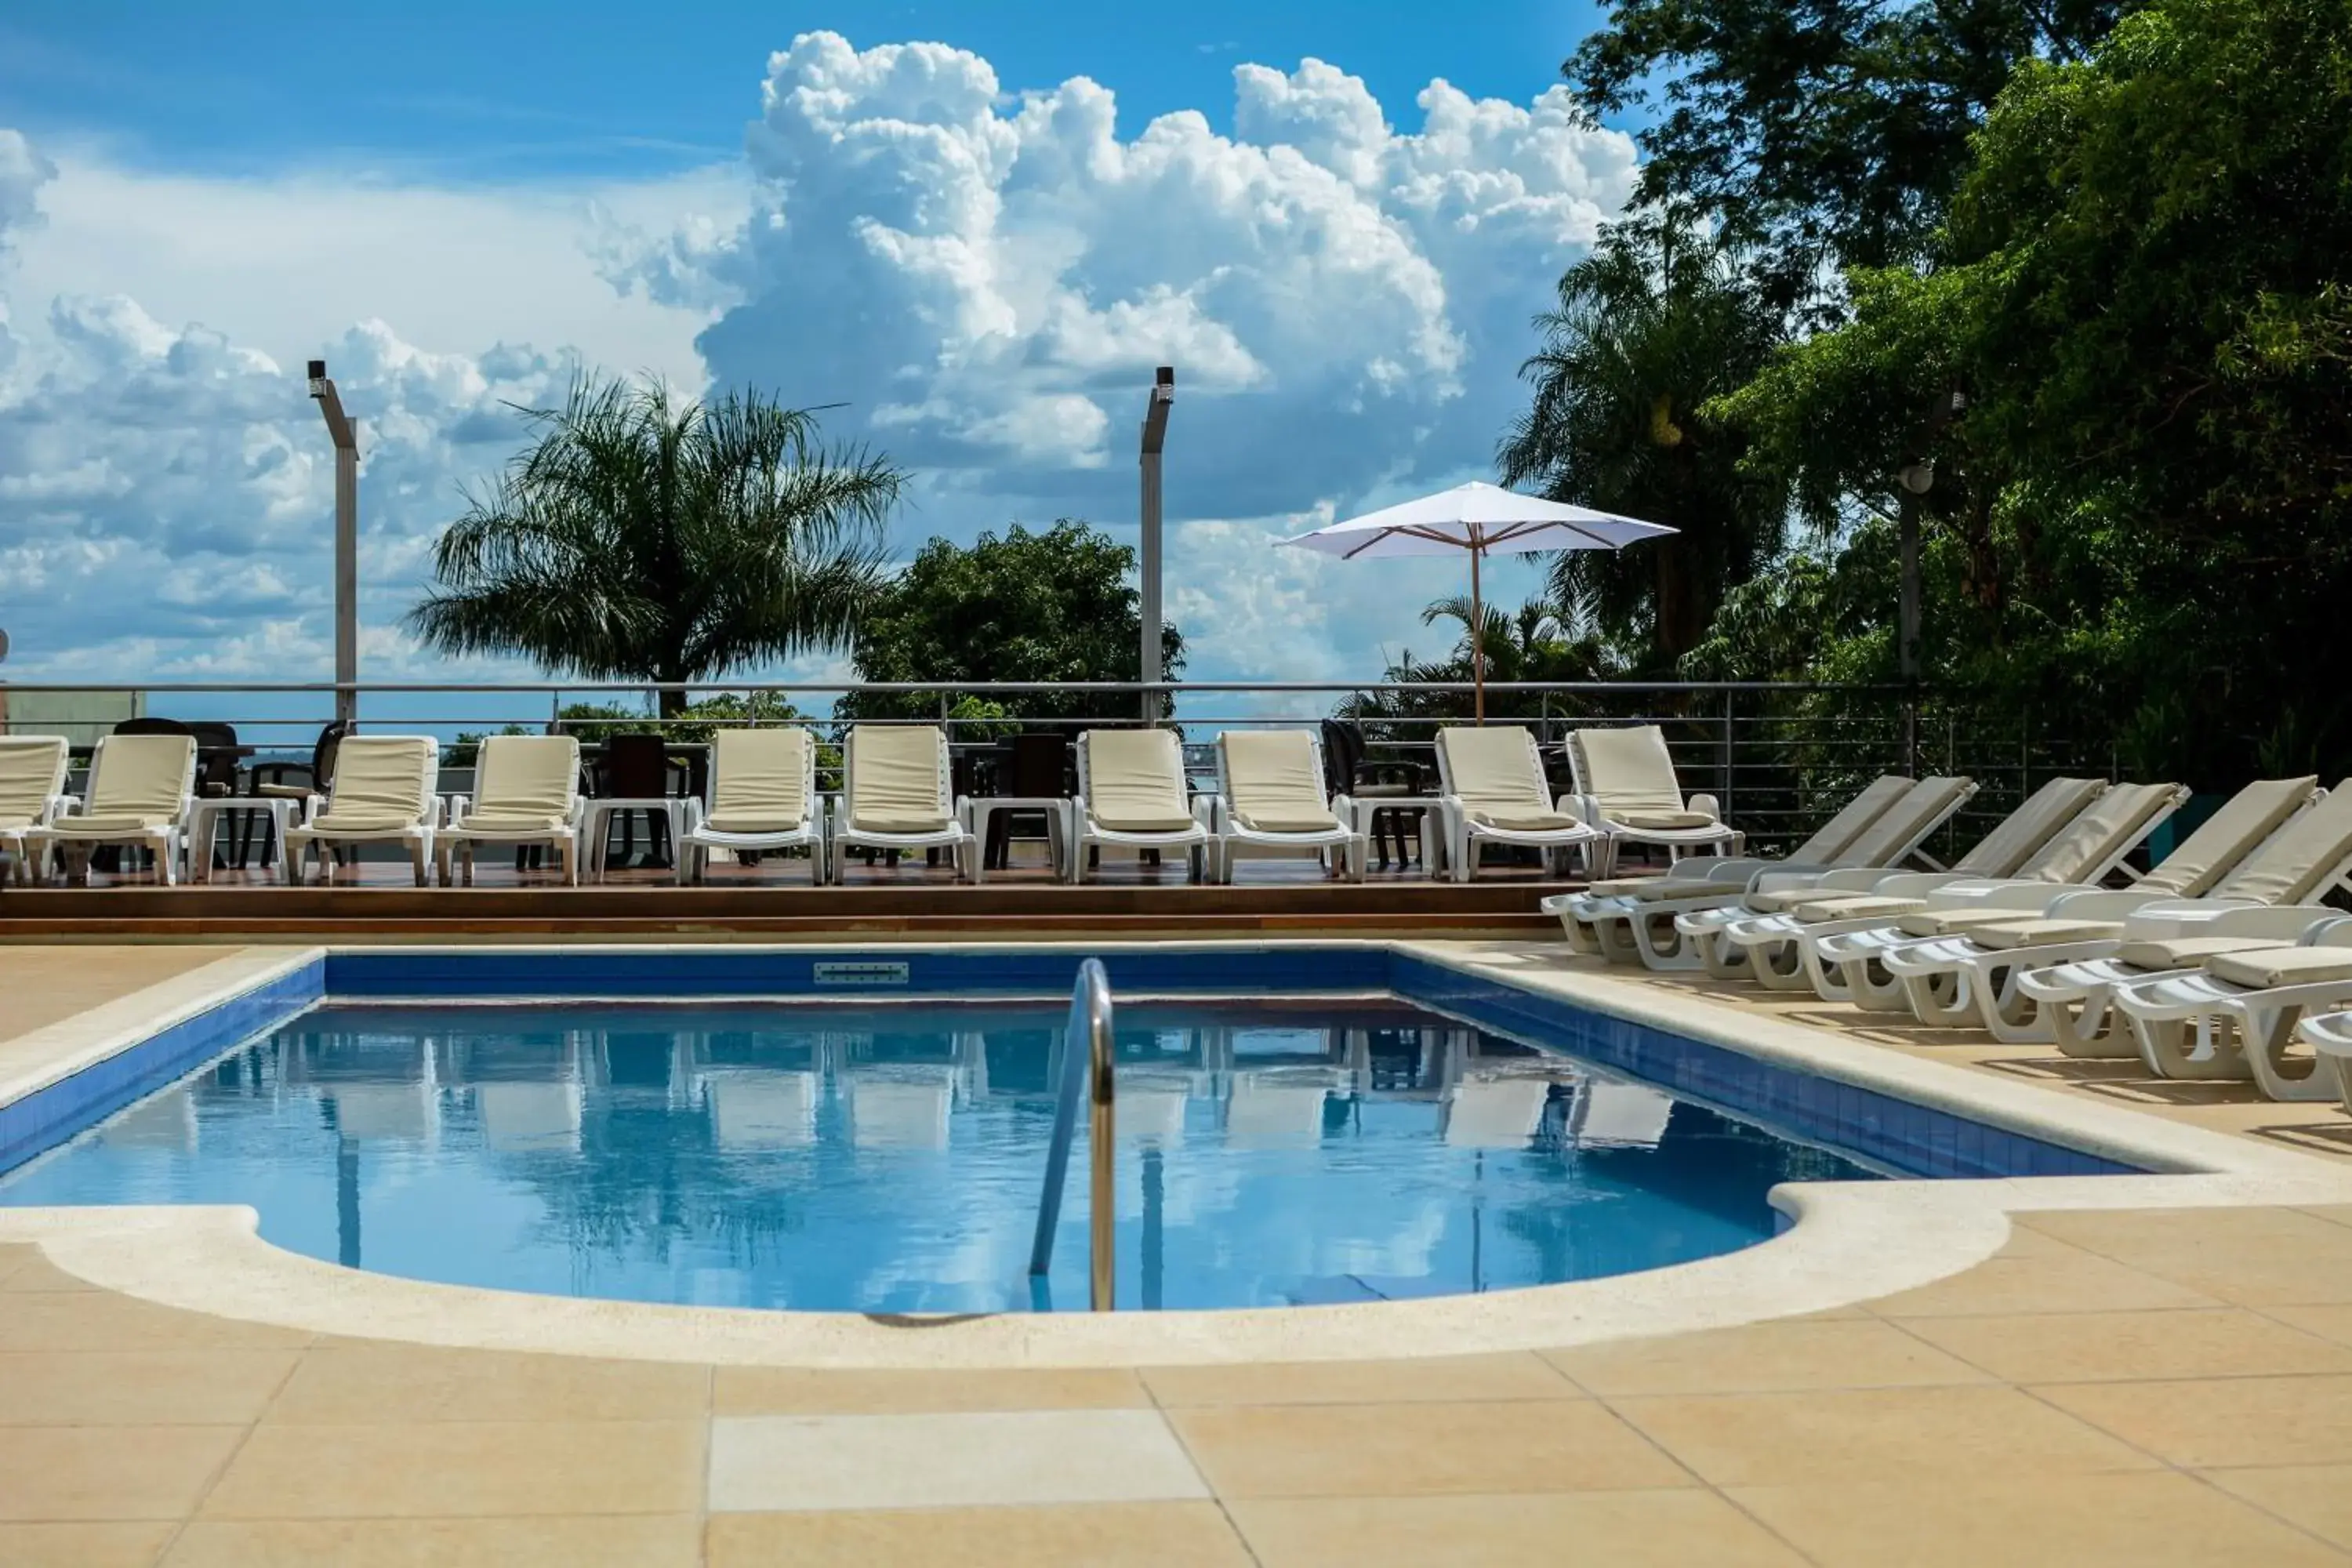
column 1477, row 637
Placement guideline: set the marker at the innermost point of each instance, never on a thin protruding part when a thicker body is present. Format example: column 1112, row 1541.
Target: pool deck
column 2136, row 1386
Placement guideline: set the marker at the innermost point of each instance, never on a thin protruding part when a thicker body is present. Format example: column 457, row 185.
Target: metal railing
column 1086, row 1066
column 1780, row 757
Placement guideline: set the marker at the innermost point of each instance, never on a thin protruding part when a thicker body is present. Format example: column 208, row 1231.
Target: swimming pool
column 1296, row 1126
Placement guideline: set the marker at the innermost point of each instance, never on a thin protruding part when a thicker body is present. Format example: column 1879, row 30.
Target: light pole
column 1155, row 436
column 1916, row 477
column 344, row 432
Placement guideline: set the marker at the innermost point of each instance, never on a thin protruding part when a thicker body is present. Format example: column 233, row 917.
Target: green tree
column 1818, row 133
column 2144, row 519
column 640, row 537
column 1656, row 321
column 1053, row 607
column 1541, row 641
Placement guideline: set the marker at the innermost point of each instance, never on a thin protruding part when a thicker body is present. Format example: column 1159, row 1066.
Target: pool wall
column 1894, row 1134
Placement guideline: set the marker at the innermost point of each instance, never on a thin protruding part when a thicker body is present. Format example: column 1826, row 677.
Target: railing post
column 1724, row 794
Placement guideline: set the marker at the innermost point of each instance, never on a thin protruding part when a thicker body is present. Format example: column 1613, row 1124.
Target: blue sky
column 974, row 228
column 532, row 88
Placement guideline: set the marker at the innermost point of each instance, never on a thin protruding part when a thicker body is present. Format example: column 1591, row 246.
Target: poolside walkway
column 2141, row 1387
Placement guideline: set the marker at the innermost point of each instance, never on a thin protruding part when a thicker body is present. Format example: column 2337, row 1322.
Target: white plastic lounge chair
column 140, row 790
column 762, row 799
column 1627, row 784
column 1965, row 969
column 526, row 791
column 32, row 793
column 1770, row 937
column 382, row 794
column 2272, row 897
column 896, row 796
column 1843, row 956
column 1272, row 797
column 1601, row 918
column 1701, row 919
column 1492, row 790
column 2329, row 1036
column 2236, row 1018
column 1131, row 794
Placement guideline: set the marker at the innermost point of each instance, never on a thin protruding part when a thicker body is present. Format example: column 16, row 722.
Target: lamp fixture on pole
column 344, row 432
column 1155, row 436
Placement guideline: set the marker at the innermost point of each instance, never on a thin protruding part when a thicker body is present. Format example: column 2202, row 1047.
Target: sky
column 973, row 227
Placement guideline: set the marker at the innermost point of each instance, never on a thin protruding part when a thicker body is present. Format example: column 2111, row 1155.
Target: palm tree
column 1649, row 327
column 640, row 538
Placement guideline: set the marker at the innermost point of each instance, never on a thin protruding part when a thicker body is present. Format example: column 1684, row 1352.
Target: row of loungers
column 1132, row 793
column 2202, row 968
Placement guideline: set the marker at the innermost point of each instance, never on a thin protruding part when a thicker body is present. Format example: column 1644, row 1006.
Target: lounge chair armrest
column 2102, row 903
column 1848, row 879
column 1978, row 894
column 1704, row 802
column 56, row 807
column 689, row 813
column 1343, row 806
column 1078, row 811
column 459, row 805
column 1583, row 807
column 1914, row 884
column 1207, row 809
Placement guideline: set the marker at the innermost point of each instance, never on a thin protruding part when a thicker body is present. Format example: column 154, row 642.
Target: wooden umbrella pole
column 1478, row 633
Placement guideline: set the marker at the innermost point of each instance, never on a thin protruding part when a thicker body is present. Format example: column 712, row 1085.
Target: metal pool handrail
column 1085, row 1059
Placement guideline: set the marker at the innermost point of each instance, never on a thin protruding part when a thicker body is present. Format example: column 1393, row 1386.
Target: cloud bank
column 984, row 277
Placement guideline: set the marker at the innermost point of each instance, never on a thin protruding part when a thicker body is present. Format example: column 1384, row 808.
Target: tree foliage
column 640, row 537
column 1819, row 133
column 2145, row 516
column 1052, row 606
column 1655, row 323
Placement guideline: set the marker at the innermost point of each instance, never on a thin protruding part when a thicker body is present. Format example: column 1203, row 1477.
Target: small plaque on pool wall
column 854, row 974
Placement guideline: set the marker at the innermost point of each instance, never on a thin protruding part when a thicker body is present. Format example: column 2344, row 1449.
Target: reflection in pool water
column 888, row 1159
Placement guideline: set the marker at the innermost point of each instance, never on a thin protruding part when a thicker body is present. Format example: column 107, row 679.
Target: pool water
column 888, row 1158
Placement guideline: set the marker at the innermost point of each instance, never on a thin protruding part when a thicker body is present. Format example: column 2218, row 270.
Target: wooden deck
column 239, row 913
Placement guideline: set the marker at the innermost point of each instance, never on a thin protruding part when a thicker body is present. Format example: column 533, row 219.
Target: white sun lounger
column 2272, row 897
column 2329, row 1036
column 895, row 795
column 1626, row 786
column 1963, row 971
column 32, row 793
column 1700, row 920
column 1131, row 794
column 1843, row 955
column 2235, row 1017
column 1781, row 909
column 1492, row 790
column 382, row 794
column 762, row 800
column 142, row 788
column 1602, row 919
column 1272, row 798
column 526, row 792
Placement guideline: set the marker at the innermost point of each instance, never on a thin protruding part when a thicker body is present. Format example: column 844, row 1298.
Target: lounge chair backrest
column 32, row 774
column 760, row 780
column 522, row 777
column 1495, row 771
column 898, row 779
column 1628, row 771
column 2107, row 831
column 1835, row 837
column 144, row 777
column 2227, row 838
column 384, row 780
column 1134, row 780
column 2011, row 843
column 1274, row 780
column 2301, row 859
column 1898, row 830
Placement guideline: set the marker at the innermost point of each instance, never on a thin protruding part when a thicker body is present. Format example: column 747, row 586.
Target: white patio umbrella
column 1482, row 520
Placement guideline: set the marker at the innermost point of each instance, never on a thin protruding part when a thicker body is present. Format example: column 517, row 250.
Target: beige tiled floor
column 2141, row 1388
